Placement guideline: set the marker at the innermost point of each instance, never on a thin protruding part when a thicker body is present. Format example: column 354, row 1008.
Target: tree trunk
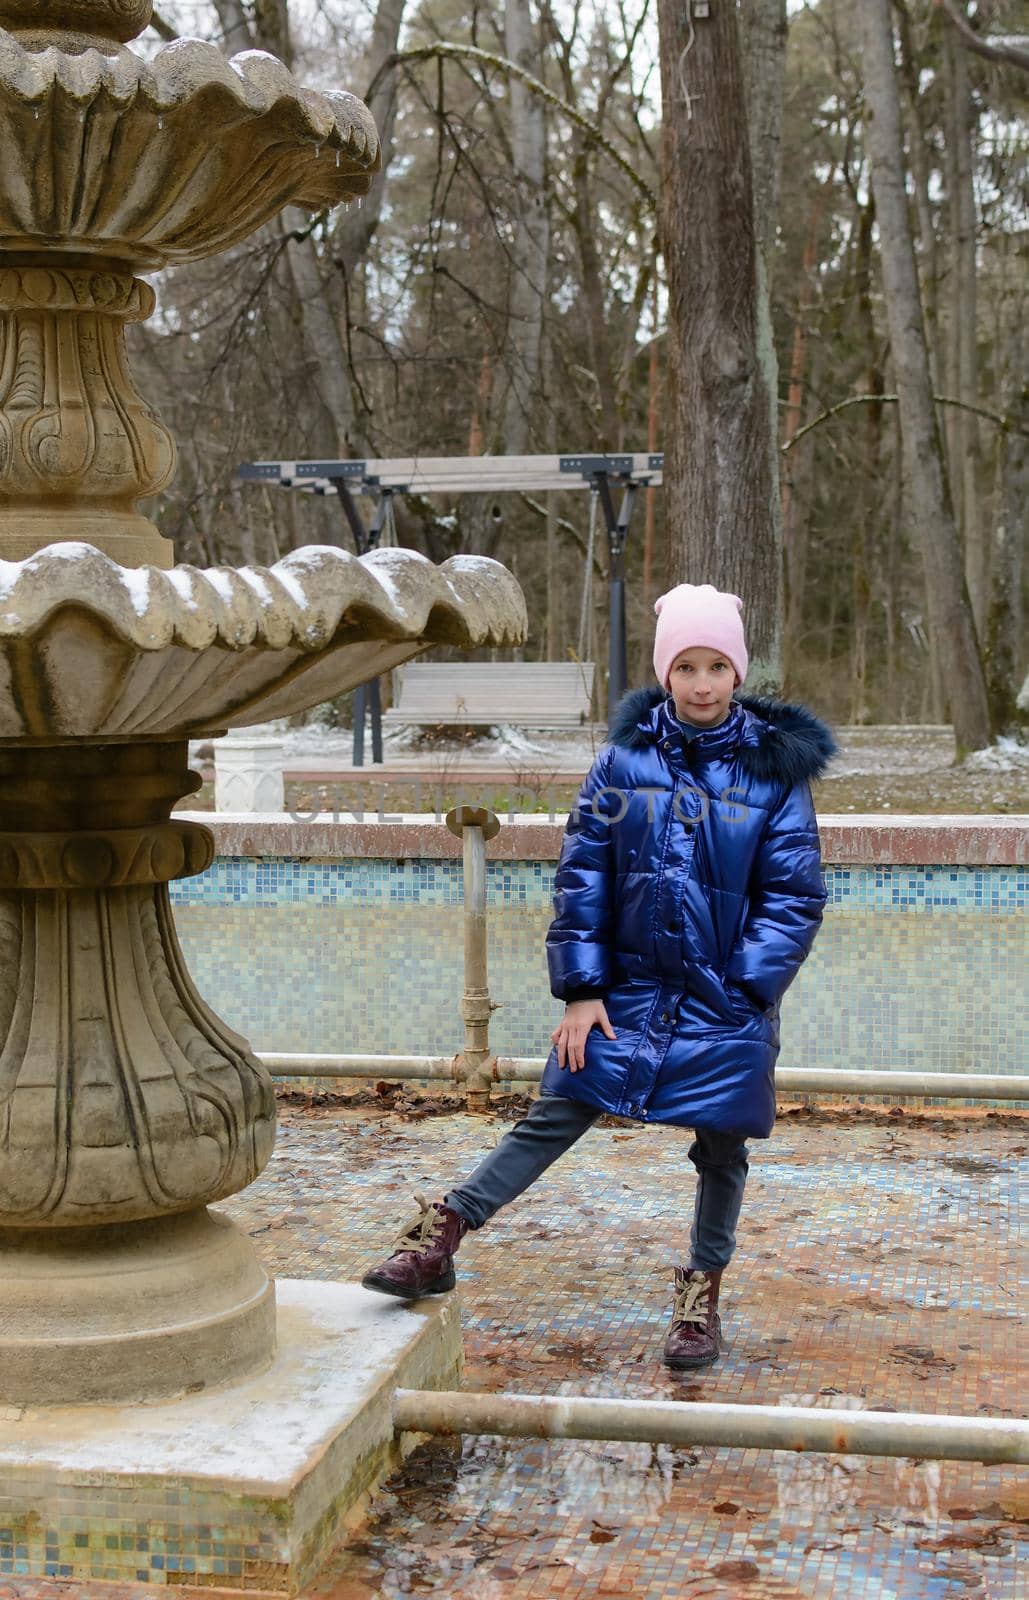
column 235, row 28
column 650, row 499
column 259, row 25
column 481, row 406
column 321, row 331
column 531, row 244
column 801, row 469
column 794, row 516
column 584, row 222
column 868, row 539
column 322, row 294
column 555, row 642
column 963, row 375
column 764, row 34
column 917, row 143
column 271, row 28
column 352, row 230
column 950, row 613
column 892, row 572
column 721, row 496
column 763, row 37
column 1003, row 629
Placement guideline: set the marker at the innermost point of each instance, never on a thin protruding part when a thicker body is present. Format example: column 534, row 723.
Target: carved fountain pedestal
column 125, row 1099
column 148, row 1379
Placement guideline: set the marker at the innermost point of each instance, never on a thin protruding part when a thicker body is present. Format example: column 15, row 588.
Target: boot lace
column 691, row 1300
column 420, row 1234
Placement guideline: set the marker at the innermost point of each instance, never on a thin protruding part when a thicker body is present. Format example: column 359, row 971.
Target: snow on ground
column 1004, row 755
column 500, row 746
column 887, row 768
column 862, row 750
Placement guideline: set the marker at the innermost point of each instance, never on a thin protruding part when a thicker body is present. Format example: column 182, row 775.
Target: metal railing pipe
column 949, row 1085
column 687, row 1423
column 788, row 1080
column 327, row 1066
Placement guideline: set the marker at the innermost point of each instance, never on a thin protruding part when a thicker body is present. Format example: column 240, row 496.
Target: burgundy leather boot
column 422, row 1261
column 694, row 1339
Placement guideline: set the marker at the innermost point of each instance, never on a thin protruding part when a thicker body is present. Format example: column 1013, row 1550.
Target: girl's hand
column 572, row 1031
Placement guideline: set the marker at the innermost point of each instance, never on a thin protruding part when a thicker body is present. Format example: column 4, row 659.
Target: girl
column 688, row 893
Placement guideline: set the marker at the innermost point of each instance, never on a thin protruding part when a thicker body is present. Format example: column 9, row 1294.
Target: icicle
column 337, row 158
column 160, row 124
column 317, row 151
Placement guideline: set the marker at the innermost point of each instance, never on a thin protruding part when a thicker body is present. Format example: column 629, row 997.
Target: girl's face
column 701, row 683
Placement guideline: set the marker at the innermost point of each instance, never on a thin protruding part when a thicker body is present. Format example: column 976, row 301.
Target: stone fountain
column 126, row 1106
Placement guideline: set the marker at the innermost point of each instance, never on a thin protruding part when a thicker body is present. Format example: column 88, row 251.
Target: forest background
column 503, row 290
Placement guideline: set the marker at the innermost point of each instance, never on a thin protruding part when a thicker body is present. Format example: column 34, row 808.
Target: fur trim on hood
column 781, row 743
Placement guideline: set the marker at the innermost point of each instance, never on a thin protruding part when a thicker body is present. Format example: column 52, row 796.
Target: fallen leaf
column 742, row 1571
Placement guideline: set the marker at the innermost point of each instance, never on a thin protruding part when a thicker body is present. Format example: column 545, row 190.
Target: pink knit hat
column 698, row 613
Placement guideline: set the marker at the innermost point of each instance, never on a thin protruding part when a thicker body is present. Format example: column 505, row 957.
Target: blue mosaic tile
column 278, row 881
column 915, row 967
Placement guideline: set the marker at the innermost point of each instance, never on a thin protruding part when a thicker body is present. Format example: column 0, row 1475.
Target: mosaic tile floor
column 877, row 1267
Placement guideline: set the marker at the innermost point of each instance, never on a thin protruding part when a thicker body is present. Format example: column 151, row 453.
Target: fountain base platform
column 244, row 1487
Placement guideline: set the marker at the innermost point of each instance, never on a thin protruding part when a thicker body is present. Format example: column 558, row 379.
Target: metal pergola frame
column 603, row 475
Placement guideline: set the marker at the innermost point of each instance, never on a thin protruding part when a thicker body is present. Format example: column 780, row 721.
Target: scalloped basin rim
column 178, row 74
column 135, row 652
column 301, row 600
column 169, row 79
column 172, row 159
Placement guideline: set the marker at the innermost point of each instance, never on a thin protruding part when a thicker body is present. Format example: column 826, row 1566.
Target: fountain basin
column 93, row 650
column 169, row 160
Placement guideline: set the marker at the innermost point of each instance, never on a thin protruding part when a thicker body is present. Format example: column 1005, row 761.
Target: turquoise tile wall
column 914, row 967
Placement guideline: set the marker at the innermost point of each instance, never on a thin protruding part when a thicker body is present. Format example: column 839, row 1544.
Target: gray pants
column 554, row 1124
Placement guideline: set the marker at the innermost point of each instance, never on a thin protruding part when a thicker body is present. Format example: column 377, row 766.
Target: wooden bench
column 527, row 694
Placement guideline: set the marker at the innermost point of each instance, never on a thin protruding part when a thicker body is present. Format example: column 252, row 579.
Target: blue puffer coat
column 688, row 893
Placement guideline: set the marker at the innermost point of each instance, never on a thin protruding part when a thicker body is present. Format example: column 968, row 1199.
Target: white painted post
column 248, row 772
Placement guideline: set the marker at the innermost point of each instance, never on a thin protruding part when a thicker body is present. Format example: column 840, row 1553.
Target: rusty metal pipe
column 325, row 1066
column 945, row 1085
column 688, row 1423
column 473, row 842
column 795, row 1080
column 474, row 826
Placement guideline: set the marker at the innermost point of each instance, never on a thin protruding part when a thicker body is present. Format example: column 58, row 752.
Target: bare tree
column 950, row 612
column 321, row 276
column 1004, row 641
column 531, row 242
column 963, row 348
column 764, row 31
column 353, row 230
column 720, row 493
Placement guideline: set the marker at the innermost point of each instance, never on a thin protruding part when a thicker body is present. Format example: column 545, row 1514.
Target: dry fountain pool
column 877, row 1268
